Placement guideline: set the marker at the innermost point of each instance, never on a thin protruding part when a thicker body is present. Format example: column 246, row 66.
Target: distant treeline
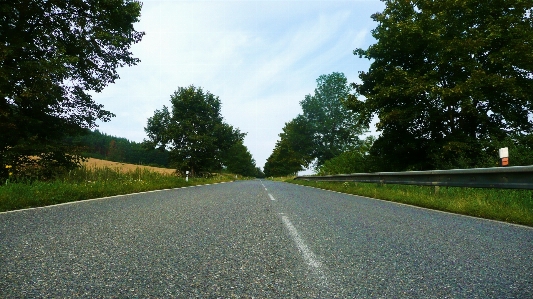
column 102, row 146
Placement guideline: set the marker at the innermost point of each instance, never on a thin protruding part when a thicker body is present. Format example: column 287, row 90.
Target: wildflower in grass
column 9, row 173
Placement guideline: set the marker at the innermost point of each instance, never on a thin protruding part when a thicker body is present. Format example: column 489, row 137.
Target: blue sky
column 259, row 57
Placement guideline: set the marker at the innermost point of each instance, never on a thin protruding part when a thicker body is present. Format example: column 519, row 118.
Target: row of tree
column 191, row 136
column 450, row 83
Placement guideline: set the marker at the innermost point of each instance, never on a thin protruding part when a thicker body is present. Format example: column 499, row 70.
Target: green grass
column 85, row 183
column 514, row 206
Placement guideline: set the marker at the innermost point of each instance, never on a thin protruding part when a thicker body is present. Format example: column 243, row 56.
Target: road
column 258, row 239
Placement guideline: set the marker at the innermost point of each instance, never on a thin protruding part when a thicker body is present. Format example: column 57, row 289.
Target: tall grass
column 514, row 206
column 86, row 183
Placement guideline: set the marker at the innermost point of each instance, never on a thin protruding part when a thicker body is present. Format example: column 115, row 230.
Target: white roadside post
column 504, row 156
column 187, row 176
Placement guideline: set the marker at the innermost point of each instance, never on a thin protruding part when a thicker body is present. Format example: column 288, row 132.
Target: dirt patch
column 124, row 167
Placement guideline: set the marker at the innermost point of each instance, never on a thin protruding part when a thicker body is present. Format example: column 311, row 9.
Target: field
column 92, row 163
column 94, row 179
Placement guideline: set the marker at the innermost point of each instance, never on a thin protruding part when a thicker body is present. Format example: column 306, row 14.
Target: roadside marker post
column 504, row 156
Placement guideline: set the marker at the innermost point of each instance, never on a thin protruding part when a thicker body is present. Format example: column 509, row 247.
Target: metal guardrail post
column 516, row 177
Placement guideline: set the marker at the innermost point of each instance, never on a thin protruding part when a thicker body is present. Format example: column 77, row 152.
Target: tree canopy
column 293, row 151
column 193, row 131
column 52, row 55
column 325, row 129
column 355, row 160
column 334, row 128
column 449, row 80
column 238, row 160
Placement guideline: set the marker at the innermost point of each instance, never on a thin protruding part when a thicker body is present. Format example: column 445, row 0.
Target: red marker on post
column 504, row 156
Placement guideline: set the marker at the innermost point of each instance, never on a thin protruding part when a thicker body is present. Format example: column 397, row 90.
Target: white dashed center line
column 310, row 259
column 308, row 255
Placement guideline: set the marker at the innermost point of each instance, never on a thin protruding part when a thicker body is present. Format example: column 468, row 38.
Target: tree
column 283, row 161
column 355, row 160
column 333, row 127
column 324, row 130
column 259, row 173
column 238, row 160
column 52, row 55
column 293, row 151
column 193, row 131
column 449, row 80
column 298, row 136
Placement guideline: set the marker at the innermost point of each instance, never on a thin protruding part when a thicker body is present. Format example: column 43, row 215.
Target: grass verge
column 513, row 206
column 86, row 183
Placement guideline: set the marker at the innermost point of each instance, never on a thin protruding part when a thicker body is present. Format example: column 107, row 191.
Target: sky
column 259, row 57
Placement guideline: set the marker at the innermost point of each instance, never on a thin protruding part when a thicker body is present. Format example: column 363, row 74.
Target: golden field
column 124, row 167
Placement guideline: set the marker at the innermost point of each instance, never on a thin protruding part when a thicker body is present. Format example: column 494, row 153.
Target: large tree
column 325, row 129
column 238, row 160
column 293, row 151
column 52, row 55
column 193, row 131
column 449, row 80
column 334, row 128
column 283, row 161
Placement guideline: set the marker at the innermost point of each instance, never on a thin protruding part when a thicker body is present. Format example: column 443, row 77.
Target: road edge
column 418, row 207
column 108, row 197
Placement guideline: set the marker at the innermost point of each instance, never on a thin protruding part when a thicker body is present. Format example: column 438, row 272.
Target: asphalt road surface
column 258, row 239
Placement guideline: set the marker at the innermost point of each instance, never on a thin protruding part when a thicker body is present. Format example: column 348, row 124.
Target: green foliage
column 298, row 134
column 324, row 130
column 293, row 151
column 514, row 206
column 449, row 80
column 352, row 161
column 259, row 173
column 334, row 129
column 52, row 55
column 193, row 131
column 238, row 160
column 44, row 167
column 520, row 149
column 283, row 161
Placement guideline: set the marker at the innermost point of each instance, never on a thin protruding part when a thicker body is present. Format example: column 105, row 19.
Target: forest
column 106, row 147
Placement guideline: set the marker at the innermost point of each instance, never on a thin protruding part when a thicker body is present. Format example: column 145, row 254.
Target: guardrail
column 516, row 177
